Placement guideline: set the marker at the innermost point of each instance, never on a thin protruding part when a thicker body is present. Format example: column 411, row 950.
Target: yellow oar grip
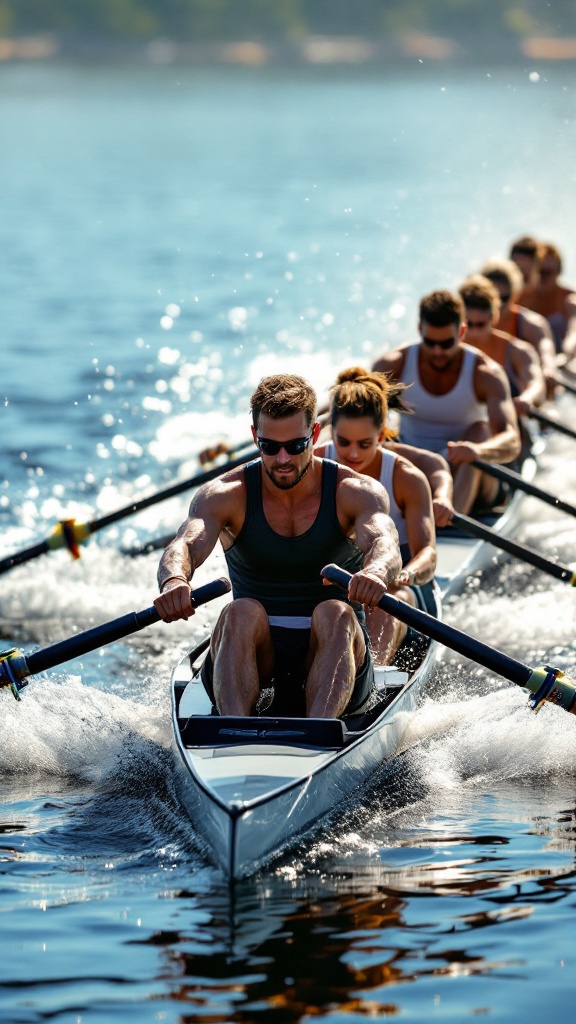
column 13, row 669
column 69, row 534
column 550, row 684
column 573, row 580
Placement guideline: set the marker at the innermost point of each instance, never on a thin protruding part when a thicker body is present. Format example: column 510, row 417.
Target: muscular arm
column 211, row 512
column 526, row 367
column 569, row 343
column 391, row 363
column 437, row 472
column 504, row 444
column 364, row 504
column 414, row 498
column 536, row 331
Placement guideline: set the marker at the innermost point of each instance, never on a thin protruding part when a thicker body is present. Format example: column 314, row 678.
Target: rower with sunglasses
column 553, row 300
column 519, row 321
column 280, row 519
column 482, row 304
column 460, row 400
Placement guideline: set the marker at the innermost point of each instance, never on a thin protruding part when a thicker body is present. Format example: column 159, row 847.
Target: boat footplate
column 223, row 730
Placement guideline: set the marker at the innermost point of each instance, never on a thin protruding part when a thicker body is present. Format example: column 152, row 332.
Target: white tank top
column 387, row 481
column 438, row 419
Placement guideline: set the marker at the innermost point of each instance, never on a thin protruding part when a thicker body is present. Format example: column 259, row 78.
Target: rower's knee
column 243, row 617
column 335, row 622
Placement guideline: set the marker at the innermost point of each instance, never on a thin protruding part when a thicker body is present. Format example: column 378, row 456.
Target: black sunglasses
column 477, row 324
column 444, row 345
column 293, row 447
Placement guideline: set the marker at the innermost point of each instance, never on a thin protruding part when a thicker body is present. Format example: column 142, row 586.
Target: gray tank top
column 438, row 419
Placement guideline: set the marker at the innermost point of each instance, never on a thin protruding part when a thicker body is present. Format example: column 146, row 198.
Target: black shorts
column 289, row 675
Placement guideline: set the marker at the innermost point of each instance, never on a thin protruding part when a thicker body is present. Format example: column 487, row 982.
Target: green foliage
column 285, row 19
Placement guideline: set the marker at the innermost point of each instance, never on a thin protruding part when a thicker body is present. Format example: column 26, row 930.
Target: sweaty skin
column 357, row 441
column 291, row 490
column 498, row 441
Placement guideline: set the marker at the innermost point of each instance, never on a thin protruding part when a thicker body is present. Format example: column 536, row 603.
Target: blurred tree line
column 288, row 20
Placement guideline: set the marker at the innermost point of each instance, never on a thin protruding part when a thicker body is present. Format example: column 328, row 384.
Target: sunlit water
column 170, row 237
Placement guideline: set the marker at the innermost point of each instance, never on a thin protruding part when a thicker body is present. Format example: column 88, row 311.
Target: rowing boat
column 253, row 784
column 460, row 555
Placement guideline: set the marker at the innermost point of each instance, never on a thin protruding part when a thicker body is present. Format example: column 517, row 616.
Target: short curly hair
column 441, row 309
column 283, row 394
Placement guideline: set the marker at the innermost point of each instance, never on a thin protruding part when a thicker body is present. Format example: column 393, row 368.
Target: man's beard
column 287, row 485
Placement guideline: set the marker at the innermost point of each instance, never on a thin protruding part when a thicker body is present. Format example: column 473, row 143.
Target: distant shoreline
column 312, row 51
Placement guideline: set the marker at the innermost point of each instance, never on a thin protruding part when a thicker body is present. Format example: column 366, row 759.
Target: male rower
column 555, row 301
column 460, row 399
column 519, row 321
column 280, row 520
column 526, row 253
column 519, row 360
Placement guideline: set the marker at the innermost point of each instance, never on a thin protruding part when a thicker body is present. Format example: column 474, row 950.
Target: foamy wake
column 490, row 738
column 71, row 730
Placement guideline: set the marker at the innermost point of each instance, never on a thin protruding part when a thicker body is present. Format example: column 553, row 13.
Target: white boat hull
column 251, row 798
column 249, row 801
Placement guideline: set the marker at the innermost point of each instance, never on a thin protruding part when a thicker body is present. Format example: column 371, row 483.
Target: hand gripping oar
column 70, row 534
column 545, row 684
column 521, row 551
column 15, row 667
column 549, row 421
column 518, row 482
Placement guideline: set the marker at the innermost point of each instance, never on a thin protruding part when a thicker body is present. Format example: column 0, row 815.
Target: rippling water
column 170, row 237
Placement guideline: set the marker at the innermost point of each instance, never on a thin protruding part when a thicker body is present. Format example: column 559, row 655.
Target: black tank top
column 283, row 573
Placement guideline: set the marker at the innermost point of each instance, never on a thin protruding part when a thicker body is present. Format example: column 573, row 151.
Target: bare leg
column 387, row 633
column 337, row 649
column 242, row 654
column 470, row 484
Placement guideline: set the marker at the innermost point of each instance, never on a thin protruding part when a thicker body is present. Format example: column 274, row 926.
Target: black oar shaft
column 108, row 632
column 549, row 421
column 476, row 529
column 451, row 637
column 169, row 492
column 571, row 387
column 545, row 684
column 157, row 544
column 24, row 556
column 90, row 640
column 85, row 530
column 517, row 482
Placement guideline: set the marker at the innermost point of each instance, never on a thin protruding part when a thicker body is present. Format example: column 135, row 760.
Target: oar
column 544, row 683
column 156, row 544
column 15, row 667
column 548, row 421
column 519, row 483
column 562, row 382
column 70, row 534
column 521, row 551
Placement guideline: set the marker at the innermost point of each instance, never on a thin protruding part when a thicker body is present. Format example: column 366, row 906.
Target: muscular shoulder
column 221, row 496
column 518, row 346
column 358, row 493
column 419, row 457
column 535, row 325
column 489, row 377
column 407, row 472
column 410, row 483
column 391, row 362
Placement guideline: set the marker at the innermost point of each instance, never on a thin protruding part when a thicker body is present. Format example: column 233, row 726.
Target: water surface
column 170, row 237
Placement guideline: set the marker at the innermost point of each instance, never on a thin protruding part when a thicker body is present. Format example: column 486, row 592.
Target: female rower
column 360, row 440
